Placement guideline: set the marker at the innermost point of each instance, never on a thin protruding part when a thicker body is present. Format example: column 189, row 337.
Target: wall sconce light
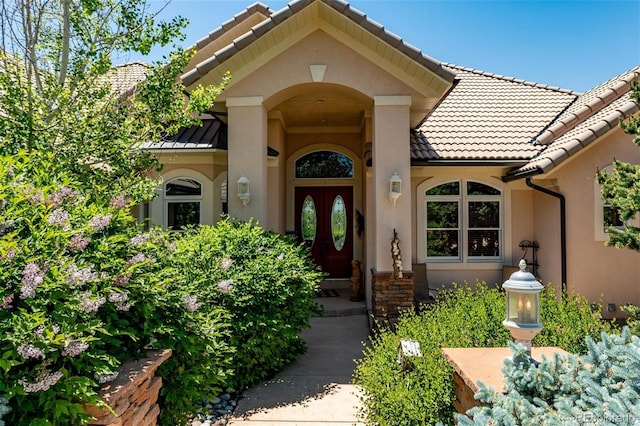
column 243, row 190
column 523, row 306
column 395, row 188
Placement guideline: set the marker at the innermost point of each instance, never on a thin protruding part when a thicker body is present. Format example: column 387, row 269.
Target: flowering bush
column 81, row 290
column 266, row 283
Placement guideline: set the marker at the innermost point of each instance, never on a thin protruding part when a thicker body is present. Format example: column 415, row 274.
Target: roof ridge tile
column 509, row 78
column 613, row 89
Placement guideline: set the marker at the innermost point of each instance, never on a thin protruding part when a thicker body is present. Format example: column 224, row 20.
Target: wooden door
column 324, row 221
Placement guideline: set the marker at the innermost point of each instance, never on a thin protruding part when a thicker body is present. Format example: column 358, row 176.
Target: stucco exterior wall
column 592, row 268
column 344, row 67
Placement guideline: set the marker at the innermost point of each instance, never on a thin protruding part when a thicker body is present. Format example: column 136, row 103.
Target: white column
column 391, row 153
column 247, row 156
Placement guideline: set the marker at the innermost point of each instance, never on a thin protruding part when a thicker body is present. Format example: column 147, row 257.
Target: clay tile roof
column 487, row 117
column 592, row 115
column 291, row 9
column 124, row 78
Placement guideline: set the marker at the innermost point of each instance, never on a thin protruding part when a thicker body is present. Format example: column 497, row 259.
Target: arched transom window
column 325, row 165
column 463, row 222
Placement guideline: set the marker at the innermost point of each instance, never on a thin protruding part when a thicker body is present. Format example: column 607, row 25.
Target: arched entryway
column 324, row 202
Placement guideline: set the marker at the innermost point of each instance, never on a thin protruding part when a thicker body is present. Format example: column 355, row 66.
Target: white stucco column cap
column 394, row 100
column 244, row 101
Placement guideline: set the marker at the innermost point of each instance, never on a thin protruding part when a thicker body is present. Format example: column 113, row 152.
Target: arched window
column 183, row 197
column 324, row 165
column 463, row 222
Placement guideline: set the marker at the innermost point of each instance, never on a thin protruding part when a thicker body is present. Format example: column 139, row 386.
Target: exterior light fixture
column 395, row 188
column 523, row 306
column 243, row 190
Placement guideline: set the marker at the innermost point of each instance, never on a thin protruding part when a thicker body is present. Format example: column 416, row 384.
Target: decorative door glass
column 309, row 220
column 338, row 223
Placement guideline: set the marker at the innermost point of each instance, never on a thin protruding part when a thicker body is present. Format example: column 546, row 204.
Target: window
column 183, row 198
column 605, row 215
column 463, row 222
column 324, row 164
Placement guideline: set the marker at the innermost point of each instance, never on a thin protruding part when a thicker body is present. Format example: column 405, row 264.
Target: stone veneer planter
column 133, row 394
column 391, row 295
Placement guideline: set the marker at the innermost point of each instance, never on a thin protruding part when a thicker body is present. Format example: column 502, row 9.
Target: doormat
column 326, row 293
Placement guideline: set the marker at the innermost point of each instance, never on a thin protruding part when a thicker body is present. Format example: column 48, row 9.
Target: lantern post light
column 395, row 188
column 523, row 306
column 243, row 190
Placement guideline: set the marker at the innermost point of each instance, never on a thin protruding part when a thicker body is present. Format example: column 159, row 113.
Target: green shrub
column 264, row 281
column 463, row 317
column 633, row 318
column 81, row 290
column 600, row 387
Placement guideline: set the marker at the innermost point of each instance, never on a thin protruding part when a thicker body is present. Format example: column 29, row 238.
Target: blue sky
column 571, row 44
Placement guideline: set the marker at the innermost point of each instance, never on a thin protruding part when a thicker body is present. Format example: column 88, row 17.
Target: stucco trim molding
column 245, row 101
column 398, row 100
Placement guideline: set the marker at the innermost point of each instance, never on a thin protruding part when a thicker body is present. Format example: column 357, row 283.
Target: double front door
column 324, row 221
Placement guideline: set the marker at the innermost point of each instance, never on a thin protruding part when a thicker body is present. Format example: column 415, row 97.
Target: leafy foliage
column 264, row 281
column 633, row 318
column 463, row 317
column 61, row 94
column 600, row 387
column 621, row 189
column 82, row 290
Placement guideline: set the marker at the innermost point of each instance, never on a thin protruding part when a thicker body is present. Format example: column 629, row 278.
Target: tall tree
column 61, row 93
column 621, row 188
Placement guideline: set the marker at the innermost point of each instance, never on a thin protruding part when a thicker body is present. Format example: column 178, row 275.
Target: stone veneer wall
column 133, row 394
column 391, row 295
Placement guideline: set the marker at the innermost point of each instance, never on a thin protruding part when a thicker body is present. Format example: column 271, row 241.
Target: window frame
column 464, row 200
column 174, row 199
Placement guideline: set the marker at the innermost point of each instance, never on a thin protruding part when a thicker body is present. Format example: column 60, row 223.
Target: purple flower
column 27, row 350
column 191, row 303
column 37, row 198
column 32, row 277
column 226, row 263
column 89, row 305
column 40, row 330
column 59, row 217
column 6, row 302
column 74, row 349
column 121, row 279
column 43, row 382
column 10, row 254
column 79, row 242
column 100, row 222
column 139, row 258
column 120, row 299
column 60, row 195
column 139, row 239
column 78, row 277
column 120, row 201
column 225, row 286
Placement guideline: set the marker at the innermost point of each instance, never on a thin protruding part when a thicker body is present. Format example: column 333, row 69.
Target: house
column 340, row 132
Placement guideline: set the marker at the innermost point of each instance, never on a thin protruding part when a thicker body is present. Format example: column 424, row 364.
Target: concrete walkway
column 315, row 389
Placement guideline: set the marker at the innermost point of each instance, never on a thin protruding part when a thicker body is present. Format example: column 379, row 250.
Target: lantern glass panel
column 523, row 308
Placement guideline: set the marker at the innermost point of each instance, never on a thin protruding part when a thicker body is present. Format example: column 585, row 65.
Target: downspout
column 563, row 230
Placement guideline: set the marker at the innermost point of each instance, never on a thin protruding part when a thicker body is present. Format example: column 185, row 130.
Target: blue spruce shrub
column 600, row 387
